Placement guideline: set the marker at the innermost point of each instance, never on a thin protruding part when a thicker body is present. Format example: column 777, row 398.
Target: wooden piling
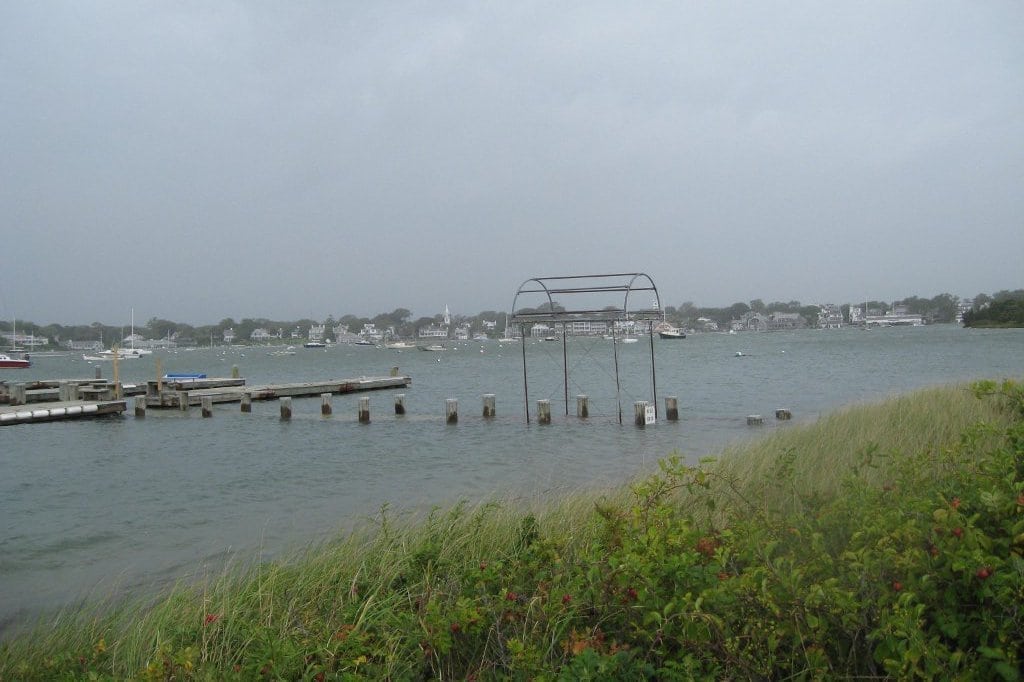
column 582, row 406
column 234, row 371
column 755, row 420
column 286, row 408
column 183, row 401
column 246, row 403
column 489, row 406
column 99, row 373
column 543, row 411
column 400, row 404
column 207, row 405
column 394, row 371
column 671, row 408
column 325, row 404
column 783, row 414
column 140, row 406
column 19, row 394
column 364, row 410
column 640, row 413
column 451, row 410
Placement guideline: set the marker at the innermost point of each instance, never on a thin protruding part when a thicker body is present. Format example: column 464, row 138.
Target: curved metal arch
column 628, row 283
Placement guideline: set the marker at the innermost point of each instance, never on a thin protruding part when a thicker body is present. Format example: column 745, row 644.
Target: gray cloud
column 202, row 160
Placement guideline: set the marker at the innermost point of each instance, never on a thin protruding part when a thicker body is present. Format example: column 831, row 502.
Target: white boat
column 671, row 333
column 399, row 345
column 314, row 344
column 122, row 354
column 630, row 339
column 434, row 348
column 131, row 353
column 7, row 362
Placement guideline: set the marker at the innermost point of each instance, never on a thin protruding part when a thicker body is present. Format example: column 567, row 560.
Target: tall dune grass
column 493, row 587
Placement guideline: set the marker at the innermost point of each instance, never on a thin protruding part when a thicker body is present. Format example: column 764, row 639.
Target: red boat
column 7, row 362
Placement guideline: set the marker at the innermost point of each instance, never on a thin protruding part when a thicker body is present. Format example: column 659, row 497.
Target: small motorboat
column 7, row 362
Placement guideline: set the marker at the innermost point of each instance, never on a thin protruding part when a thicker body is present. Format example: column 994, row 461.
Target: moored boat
column 7, row 362
column 672, row 334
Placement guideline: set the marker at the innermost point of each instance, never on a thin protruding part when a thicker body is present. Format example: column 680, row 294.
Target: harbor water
column 119, row 505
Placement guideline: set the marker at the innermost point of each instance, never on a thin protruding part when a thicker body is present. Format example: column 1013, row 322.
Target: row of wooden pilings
column 451, row 408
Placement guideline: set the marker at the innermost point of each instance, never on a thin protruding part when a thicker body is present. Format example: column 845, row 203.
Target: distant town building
column 433, row 331
column 317, row 332
column 85, row 345
column 781, row 320
column 229, row 335
column 260, row 335
column 830, row 316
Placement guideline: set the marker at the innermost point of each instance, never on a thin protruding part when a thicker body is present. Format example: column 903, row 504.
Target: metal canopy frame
column 586, row 289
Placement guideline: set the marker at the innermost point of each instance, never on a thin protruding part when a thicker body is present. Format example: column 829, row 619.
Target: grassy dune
column 883, row 540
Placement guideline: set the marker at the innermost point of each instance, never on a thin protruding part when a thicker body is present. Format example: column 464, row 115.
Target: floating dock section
column 67, row 409
column 169, row 394
column 39, row 401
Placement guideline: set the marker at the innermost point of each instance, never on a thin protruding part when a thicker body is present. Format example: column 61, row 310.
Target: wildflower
column 566, row 598
column 211, row 618
column 511, row 596
column 955, row 503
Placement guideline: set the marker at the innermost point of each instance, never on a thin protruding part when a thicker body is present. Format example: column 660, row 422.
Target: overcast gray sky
column 202, row 160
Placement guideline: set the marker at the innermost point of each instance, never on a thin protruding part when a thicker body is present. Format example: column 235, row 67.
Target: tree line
column 1003, row 308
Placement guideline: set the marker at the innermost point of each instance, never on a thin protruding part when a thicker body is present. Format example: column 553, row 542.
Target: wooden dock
column 66, row 409
column 170, row 394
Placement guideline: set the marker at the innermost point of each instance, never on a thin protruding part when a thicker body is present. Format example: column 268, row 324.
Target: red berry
column 566, row 598
column 955, row 503
column 897, row 585
column 632, row 594
column 958, row 531
column 983, row 573
column 511, row 596
column 455, row 627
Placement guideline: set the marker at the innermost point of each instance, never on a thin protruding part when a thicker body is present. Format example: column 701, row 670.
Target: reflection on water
column 115, row 503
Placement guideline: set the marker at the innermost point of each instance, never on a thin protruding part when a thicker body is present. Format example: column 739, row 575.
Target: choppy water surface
column 92, row 506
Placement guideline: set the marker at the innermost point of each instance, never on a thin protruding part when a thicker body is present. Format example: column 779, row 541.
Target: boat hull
column 7, row 362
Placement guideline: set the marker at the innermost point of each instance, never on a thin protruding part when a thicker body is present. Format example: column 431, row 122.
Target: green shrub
column 894, row 562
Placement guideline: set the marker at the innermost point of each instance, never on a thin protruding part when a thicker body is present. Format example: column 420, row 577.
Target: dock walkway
column 171, row 394
column 65, row 409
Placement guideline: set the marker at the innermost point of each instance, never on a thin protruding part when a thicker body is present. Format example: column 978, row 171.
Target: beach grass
column 817, row 551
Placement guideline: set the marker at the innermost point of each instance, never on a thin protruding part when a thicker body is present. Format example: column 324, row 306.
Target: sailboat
column 8, row 362
column 131, row 353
